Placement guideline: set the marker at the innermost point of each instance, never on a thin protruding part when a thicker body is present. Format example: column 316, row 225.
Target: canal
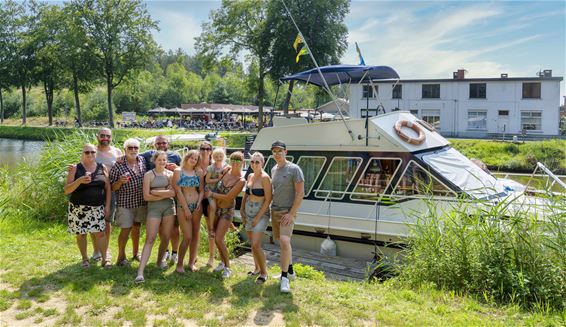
column 13, row 151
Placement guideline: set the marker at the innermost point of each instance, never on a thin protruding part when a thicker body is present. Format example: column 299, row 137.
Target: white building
column 469, row 107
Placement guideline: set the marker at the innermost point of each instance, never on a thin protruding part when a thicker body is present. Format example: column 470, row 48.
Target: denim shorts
column 251, row 210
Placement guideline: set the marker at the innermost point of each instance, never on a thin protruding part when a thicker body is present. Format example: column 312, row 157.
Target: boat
column 366, row 178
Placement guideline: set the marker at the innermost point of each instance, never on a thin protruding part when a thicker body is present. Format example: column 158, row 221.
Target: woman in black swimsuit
column 255, row 213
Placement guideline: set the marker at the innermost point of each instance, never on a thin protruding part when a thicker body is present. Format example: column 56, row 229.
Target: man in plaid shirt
column 127, row 181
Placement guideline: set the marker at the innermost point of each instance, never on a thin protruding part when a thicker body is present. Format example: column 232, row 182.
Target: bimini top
column 343, row 74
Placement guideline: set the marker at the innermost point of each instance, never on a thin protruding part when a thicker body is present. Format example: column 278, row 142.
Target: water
column 14, row 151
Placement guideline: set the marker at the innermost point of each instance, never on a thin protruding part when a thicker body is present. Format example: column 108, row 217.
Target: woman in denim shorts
column 255, row 213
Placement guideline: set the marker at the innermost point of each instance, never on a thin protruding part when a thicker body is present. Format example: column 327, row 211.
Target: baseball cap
column 278, row 144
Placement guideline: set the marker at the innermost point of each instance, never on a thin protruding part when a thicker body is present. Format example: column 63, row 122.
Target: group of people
column 169, row 194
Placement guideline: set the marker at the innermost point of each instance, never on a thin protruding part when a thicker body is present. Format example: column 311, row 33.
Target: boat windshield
column 461, row 171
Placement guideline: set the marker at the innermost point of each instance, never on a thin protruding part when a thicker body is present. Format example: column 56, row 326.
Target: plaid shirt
column 130, row 195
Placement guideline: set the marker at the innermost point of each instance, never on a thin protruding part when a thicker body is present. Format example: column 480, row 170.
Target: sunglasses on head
column 235, row 160
column 89, row 152
column 255, row 162
column 206, row 149
column 277, row 151
column 133, row 147
column 104, row 136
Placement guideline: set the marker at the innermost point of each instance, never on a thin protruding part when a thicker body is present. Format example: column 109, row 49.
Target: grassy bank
column 41, row 282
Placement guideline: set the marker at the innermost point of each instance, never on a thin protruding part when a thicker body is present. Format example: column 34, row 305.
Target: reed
column 498, row 251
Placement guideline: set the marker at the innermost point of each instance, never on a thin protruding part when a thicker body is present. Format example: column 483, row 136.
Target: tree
column 8, row 15
column 120, row 31
column 80, row 63
column 322, row 25
column 241, row 26
column 49, row 69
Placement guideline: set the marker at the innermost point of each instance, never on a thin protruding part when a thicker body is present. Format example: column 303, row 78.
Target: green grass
column 41, row 260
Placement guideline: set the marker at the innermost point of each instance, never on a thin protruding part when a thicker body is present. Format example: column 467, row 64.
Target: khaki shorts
column 276, row 227
column 125, row 217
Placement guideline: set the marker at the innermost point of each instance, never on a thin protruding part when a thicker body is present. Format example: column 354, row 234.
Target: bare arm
column 72, row 184
column 233, row 192
column 147, row 196
column 107, row 188
column 178, row 191
column 299, row 194
column 266, row 184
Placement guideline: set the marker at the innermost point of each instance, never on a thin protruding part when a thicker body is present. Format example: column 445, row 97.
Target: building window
column 431, row 116
column 431, row 91
column 531, row 120
column 369, row 91
column 397, row 91
column 477, row 90
column 477, row 119
column 503, row 113
column 531, row 90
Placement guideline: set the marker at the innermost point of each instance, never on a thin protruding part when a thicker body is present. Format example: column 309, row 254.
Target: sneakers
column 163, row 265
column 220, row 267
column 166, row 256
column 174, row 258
column 227, row 273
column 290, row 276
column 285, row 286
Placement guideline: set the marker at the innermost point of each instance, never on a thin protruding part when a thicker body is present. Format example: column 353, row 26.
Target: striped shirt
column 130, row 194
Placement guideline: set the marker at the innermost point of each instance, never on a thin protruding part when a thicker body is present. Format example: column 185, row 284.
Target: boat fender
column 328, row 247
column 405, row 123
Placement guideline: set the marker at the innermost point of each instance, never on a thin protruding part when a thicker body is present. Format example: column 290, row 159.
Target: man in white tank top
column 106, row 155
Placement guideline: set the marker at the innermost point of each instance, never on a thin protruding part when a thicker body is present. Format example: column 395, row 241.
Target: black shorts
column 204, row 205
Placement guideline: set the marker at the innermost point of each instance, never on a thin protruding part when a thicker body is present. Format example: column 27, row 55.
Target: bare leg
column 81, row 243
column 210, row 222
column 187, row 229
column 108, row 232
column 122, row 241
column 152, row 227
column 221, row 229
column 164, row 235
column 95, row 249
column 101, row 244
column 135, row 238
column 175, row 238
column 195, row 221
column 286, row 252
column 259, row 255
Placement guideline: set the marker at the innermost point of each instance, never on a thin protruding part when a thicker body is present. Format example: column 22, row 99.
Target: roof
column 478, row 80
column 343, row 74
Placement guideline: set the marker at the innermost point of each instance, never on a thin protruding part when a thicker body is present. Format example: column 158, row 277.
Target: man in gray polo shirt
column 288, row 191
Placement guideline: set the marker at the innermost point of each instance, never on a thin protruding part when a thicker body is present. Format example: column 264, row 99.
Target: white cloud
column 178, row 29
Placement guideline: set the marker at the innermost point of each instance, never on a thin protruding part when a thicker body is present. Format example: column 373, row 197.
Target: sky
column 422, row 39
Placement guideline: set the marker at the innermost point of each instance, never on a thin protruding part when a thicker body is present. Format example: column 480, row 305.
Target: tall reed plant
column 504, row 252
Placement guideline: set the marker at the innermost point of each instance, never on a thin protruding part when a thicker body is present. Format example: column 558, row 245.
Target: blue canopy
column 343, row 74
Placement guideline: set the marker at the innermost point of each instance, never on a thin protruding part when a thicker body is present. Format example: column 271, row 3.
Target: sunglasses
column 160, row 143
column 105, row 136
column 255, row 162
column 235, row 160
column 206, row 149
column 89, row 152
column 133, row 147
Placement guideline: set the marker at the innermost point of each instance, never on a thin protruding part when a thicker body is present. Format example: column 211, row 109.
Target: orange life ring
column 405, row 123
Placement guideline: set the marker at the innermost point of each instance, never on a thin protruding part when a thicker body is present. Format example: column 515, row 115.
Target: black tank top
column 93, row 193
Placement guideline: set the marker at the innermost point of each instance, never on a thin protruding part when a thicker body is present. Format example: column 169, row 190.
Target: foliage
column 499, row 252
column 520, row 157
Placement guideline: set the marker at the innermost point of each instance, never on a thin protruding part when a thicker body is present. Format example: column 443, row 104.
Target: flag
column 362, row 62
column 298, row 40
column 302, row 52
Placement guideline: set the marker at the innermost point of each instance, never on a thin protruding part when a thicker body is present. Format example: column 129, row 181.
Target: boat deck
column 334, row 268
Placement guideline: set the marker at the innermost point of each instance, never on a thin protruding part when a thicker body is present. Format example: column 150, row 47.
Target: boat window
column 270, row 163
column 461, row 171
column 311, row 167
column 338, row 177
column 376, row 178
column 417, row 181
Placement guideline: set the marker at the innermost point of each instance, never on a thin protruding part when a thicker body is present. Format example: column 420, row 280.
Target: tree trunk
column 77, row 101
column 23, row 104
column 1, row 108
column 288, row 98
column 109, row 88
column 48, row 88
column 260, row 96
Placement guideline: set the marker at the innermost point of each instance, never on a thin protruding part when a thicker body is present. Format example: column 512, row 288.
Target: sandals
column 253, row 273
column 85, row 264
column 123, row 263
column 139, row 280
column 107, row 264
column 261, row 279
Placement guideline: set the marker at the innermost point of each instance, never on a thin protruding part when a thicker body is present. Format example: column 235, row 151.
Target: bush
column 493, row 251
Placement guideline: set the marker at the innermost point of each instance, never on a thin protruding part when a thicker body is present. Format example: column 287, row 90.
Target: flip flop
column 107, row 264
column 261, row 280
column 85, row 264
